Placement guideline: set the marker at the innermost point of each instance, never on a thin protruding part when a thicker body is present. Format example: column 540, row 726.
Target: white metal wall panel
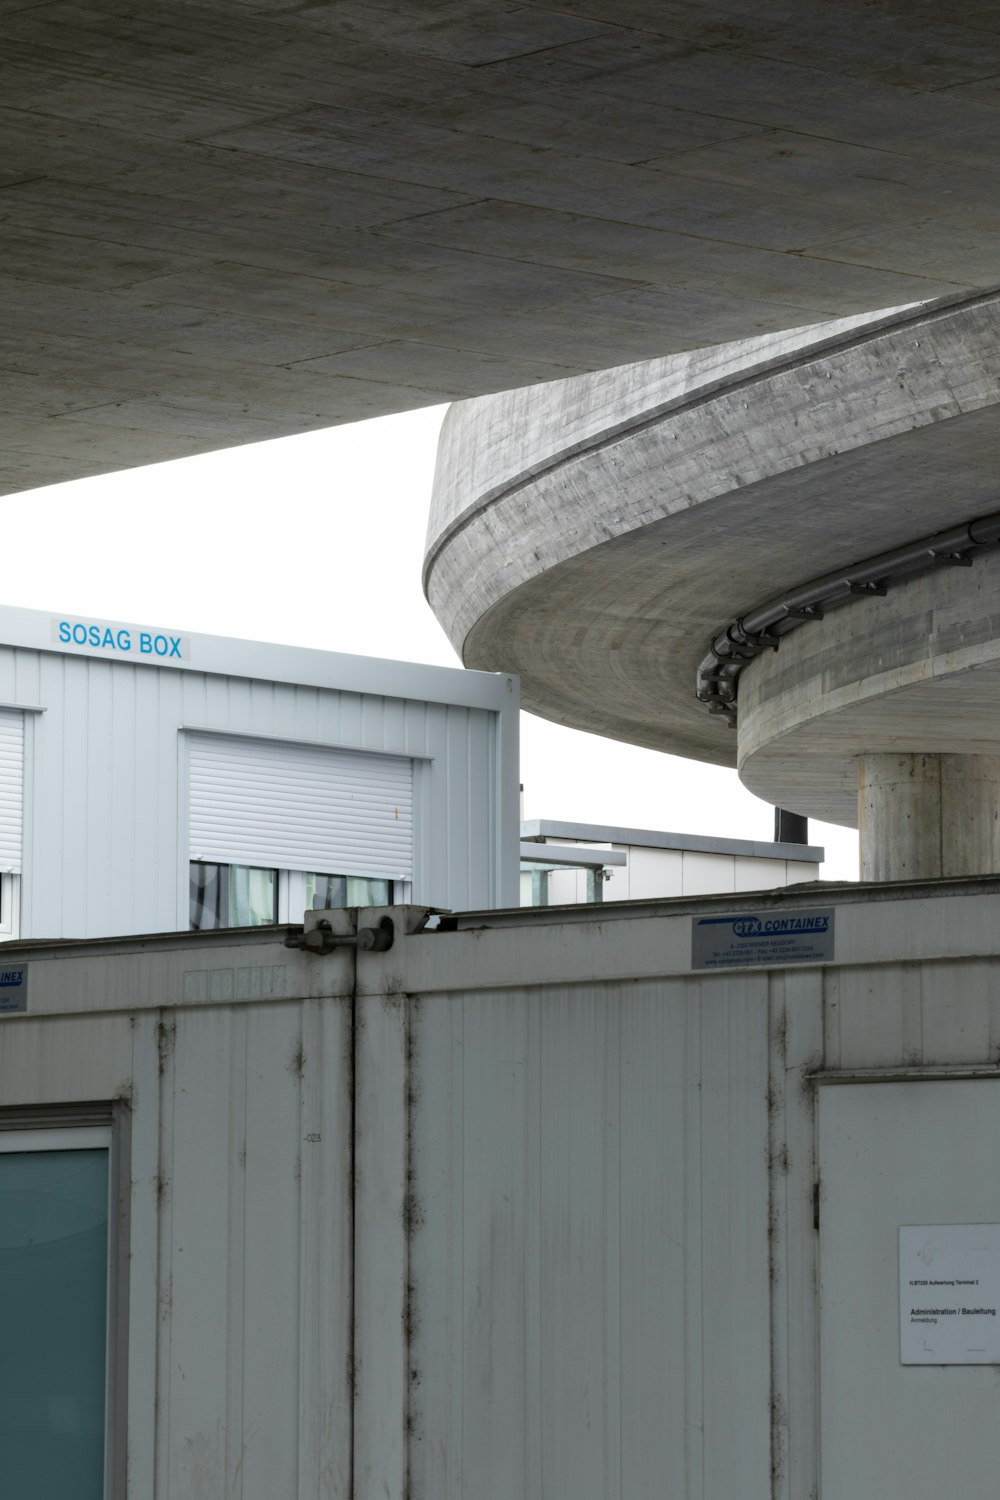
column 938, row 1014
column 893, row 1154
column 649, row 872
column 753, row 874
column 239, row 1321
column 704, row 874
column 589, row 1257
column 567, row 886
column 11, row 788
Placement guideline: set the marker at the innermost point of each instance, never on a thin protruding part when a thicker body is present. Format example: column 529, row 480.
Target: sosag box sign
column 140, row 642
column 742, row 939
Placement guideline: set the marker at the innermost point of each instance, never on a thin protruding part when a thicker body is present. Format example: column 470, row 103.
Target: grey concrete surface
column 928, row 817
column 502, row 441
column 601, row 574
column 917, row 672
column 239, row 219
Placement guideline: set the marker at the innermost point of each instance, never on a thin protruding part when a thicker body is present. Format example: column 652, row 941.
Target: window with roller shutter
column 264, row 811
column 11, row 817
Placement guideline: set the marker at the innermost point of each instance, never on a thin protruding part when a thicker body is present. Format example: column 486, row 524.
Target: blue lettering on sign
column 753, row 926
column 13, row 991
column 160, row 645
column 770, row 939
column 120, row 639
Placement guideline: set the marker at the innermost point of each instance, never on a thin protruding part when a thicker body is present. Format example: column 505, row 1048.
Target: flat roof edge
column 266, row 661
column 646, row 838
column 807, row 894
column 580, row 856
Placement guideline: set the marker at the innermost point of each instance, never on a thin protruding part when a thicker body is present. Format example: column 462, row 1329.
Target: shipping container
column 629, row 1201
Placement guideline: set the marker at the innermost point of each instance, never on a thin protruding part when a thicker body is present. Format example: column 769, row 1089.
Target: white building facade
column 566, row 863
column 152, row 780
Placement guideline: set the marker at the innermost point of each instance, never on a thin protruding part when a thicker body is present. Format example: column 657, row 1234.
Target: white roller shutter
column 301, row 807
column 11, row 787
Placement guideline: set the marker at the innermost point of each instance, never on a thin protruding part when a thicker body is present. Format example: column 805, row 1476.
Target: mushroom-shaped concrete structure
column 613, row 538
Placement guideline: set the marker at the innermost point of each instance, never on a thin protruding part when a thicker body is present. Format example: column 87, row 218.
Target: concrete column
column 925, row 816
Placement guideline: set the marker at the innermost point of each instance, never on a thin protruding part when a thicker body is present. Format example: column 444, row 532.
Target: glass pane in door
column 53, row 1316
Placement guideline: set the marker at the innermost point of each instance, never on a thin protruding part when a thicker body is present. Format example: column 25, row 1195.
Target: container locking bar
column 321, row 938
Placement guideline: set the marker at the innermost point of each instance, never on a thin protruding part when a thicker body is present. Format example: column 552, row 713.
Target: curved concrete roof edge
column 842, row 333
column 602, row 577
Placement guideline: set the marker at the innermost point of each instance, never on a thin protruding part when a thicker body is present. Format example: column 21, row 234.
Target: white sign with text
column 949, row 1294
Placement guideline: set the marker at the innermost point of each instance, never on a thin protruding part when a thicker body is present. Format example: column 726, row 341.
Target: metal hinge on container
column 320, row 938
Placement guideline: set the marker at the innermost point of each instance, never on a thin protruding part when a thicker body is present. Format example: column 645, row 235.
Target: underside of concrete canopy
column 233, row 220
column 598, row 535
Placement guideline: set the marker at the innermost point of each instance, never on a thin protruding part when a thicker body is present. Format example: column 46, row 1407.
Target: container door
column 909, row 1283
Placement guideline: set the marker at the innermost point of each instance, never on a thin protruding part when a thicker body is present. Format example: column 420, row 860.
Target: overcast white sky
column 318, row 541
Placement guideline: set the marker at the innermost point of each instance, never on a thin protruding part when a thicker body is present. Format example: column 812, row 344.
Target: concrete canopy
column 231, row 220
column 594, row 535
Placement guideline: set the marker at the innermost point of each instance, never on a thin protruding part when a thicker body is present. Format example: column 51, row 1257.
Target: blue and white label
column 768, row 939
column 14, row 988
column 137, row 642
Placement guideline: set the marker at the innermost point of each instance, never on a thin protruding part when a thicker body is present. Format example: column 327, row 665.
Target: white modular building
column 567, row 863
column 693, row 1198
column 154, row 780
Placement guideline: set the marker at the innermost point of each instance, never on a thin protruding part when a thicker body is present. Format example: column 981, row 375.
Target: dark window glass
column 232, row 896
column 323, row 892
column 209, row 896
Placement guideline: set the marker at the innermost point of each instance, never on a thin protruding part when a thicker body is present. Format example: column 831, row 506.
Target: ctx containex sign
column 745, row 938
column 142, row 641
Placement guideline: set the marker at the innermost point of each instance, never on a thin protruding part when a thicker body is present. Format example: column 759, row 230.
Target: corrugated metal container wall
column 106, row 814
column 238, row 1159
column 530, row 1209
column 641, row 1257
column 592, row 1267
column 590, row 1259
